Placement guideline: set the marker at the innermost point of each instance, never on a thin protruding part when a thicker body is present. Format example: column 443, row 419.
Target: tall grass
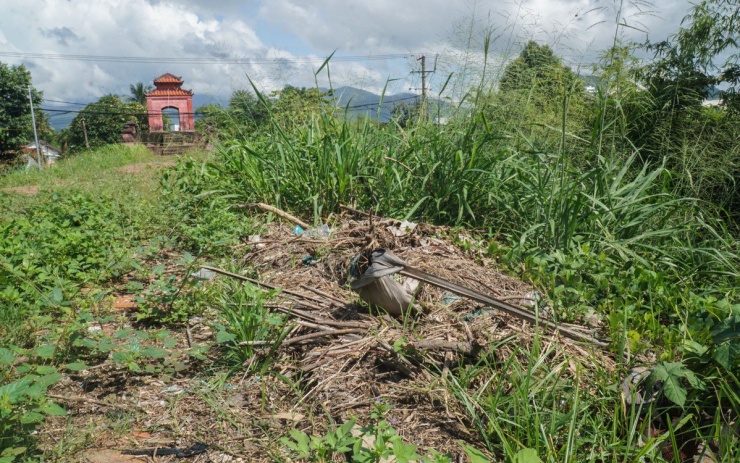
column 464, row 173
column 541, row 400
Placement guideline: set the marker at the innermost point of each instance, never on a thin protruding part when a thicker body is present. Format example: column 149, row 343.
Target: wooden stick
column 461, row 347
column 316, row 319
column 399, row 362
column 279, row 212
column 265, row 285
column 352, row 209
column 93, row 401
column 498, row 304
column 305, row 337
column 319, row 334
column 321, row 293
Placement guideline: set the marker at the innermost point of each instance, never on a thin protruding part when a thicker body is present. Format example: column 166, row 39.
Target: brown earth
column 144, row 166
column 25, row 190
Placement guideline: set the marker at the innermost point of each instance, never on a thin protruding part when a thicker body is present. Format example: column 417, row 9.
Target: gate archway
column 169, row 95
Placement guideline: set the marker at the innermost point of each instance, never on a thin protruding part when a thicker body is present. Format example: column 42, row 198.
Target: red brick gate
column 168, row 94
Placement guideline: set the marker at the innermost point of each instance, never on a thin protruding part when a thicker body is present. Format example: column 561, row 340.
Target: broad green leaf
column 32, row 417
column 76, row 366
column 122, row 334
column 404, row 452
column 727, row 354
column 50, row 408
column 670, row 373
column 6, row 356
column 15, row 390
column 154, row 352
column 728, row 329
column 475, row 455
column 169, row 343
column 224, row 336
column 106, row 345
column 526, row 456
column 56, row 295
column 162, row 334
column 47, row 380
column 45, row 370
column 46, row 351
column 13, row 451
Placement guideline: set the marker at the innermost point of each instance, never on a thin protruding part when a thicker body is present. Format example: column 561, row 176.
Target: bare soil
column 145, row 166
column 25, row 190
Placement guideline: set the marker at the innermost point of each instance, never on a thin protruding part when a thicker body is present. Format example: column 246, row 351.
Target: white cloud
column 119, row 28
column 240, row 29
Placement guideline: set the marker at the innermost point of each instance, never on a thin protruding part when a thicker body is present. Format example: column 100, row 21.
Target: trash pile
column 383, row 309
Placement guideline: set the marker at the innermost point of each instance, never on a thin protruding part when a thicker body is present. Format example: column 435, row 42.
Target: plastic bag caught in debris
column 377, row 287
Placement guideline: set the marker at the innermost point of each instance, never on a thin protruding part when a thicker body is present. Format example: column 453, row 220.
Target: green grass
column 84, row 167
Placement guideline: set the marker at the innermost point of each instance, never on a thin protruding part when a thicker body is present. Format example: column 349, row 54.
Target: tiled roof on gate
column 168, row 79
column 170, row 92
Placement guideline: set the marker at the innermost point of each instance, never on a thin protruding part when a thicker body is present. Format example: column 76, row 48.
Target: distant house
column 712, row 103
column 49, row 153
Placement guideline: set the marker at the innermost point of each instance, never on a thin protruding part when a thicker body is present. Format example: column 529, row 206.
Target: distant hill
column 361, row 102
column 355, row 101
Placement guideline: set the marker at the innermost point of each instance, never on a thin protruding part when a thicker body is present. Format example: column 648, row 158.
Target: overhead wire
column 203, row 60
column 197, row 113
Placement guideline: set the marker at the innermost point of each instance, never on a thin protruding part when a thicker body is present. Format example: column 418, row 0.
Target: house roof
column 47, row 149
column 43, row 143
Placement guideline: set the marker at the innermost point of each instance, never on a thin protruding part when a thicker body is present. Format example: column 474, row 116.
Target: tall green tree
column 245, row 108
column 104, row 120
column 138, row 92
column 294, row 105
column 16, row 127
column 702, row 53
column 699, row 144
column 538, row 66
column 540, row 97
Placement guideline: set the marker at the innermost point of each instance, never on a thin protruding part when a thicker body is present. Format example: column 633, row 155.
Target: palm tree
column 138, row 92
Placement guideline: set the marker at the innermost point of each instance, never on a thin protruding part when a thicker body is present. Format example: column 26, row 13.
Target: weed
column 375, row 442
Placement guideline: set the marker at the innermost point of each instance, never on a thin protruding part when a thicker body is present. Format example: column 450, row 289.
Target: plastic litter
column 448, row 298
column 204, row 274
column 378, row 288
column 404, row 228
column 319, row 232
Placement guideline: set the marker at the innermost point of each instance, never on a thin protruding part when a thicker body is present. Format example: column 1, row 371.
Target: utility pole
column 35, row 132
column 84, row 130
column 423, row 60
column 424, row 111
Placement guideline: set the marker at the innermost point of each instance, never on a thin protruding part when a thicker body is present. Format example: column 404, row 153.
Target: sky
column 80, row 50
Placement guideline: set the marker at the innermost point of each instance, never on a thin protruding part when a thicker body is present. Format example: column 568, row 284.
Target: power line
column 65, row 102
column 204, row 60
column 389, row 100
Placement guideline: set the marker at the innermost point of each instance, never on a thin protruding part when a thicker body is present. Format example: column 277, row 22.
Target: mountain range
column 358, row 102
column 355, row 101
